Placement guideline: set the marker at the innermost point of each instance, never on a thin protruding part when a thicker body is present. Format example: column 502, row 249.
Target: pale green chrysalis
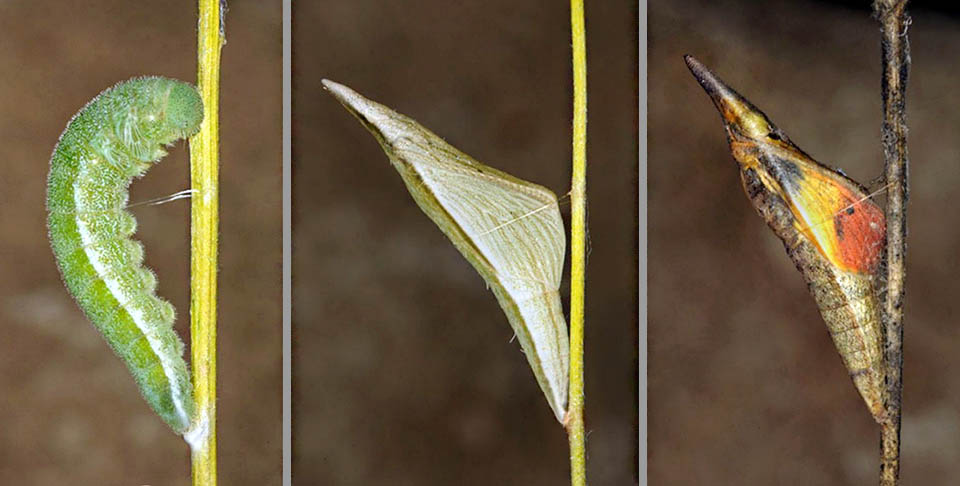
column 114, row 138
column 510, row 230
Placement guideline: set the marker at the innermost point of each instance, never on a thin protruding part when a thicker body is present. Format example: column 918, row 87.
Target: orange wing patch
column 847, row 227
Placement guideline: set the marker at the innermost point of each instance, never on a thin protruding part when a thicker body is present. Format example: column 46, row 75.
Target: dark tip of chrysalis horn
column 714, row 86
column 735, row 110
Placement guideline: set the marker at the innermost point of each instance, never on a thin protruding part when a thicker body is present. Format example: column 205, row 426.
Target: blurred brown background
column 404, row 373
column 745, row 384
column 71, row 412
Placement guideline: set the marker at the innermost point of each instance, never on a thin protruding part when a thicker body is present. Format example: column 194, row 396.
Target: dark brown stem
column 895, row 48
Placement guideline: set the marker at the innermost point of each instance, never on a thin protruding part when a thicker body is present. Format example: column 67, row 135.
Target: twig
column 896, row 65
column 204, row 172
column 578, row 203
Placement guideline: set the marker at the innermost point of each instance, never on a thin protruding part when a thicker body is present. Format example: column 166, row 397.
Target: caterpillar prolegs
column 113, row 139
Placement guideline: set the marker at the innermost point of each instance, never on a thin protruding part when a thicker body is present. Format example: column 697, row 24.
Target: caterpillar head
column 161, row 111
column 184, row 110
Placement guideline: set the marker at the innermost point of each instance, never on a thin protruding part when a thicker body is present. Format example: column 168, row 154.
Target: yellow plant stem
column 204, row 168
column 578, row 203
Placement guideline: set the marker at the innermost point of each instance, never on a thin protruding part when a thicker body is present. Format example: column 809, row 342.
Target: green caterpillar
column 113, row 139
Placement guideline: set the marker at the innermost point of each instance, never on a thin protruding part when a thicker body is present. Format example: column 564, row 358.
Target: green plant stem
column 578, row 220
column 896, row 66
column 204, row 219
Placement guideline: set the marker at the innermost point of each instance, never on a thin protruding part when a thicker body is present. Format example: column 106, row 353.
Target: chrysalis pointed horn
column 509, row 230
column 831, row 229
column 736, row 110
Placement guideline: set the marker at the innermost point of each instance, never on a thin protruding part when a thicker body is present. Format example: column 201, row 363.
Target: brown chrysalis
column 831, row 229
